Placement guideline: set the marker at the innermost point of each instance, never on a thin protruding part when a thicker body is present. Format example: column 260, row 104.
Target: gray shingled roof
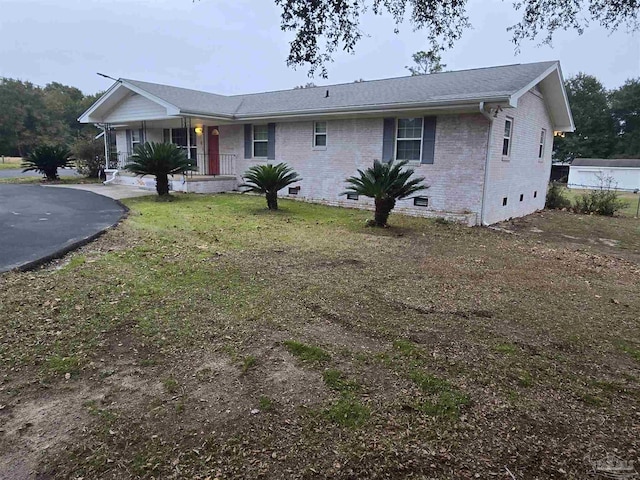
column 607, row 162
column 478, row 84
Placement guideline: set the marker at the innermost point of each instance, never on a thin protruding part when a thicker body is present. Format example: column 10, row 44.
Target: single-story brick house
column 482, row 138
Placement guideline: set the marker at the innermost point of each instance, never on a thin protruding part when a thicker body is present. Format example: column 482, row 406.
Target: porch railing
column 205, row 164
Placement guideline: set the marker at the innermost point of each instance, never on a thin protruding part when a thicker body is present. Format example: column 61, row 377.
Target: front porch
column 177, row 183
column 199, row 141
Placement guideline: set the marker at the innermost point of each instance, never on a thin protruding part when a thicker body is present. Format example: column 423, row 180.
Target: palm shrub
column 268, row 179
column 385, row 183
column 555, row 197
column 159, row 160
column 46, row 159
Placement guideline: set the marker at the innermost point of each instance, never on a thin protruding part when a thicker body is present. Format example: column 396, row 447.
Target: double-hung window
column 508, row 134
column 183, row 138
column 260, row 141
column 135, row 140
column 409, row 139
column 320, row 134
column 543, row 139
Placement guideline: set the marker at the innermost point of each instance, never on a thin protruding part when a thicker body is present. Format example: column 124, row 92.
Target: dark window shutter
column 129, row 142
column 271, row 144
column 248, row 140
column 428, row 139
column 141, row 134
column 388, row 139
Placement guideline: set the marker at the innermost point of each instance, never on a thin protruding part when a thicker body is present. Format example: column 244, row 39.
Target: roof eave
column 471, row 104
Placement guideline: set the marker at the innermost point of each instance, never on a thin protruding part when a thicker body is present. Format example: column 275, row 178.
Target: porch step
column 210, row 178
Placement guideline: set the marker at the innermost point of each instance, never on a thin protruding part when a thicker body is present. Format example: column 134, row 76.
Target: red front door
column 214, row 151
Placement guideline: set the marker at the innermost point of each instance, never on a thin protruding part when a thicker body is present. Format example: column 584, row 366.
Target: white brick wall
column 522, row 173
column 455, row 178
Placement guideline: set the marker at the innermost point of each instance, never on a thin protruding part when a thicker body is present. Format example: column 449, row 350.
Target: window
column 320, row 134
column 409, row 139
column 135, row 139
column 260, row 140
column 420, row 201
column 521, row 197
column 543, row 136
column 504, row 201
column 352, row 196
column 180, row 138
column 294, row 190
column 506, row 141
column 535, row 194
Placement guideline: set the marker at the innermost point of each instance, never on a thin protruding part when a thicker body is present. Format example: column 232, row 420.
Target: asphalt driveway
column 39, row 223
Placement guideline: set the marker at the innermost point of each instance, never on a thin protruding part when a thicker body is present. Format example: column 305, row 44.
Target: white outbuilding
column 619, row 173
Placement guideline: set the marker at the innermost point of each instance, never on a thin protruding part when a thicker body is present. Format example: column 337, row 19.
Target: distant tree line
column 607, row 121
column 31, row 115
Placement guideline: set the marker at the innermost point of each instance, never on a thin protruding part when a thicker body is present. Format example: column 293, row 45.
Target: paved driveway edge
column 33, row 264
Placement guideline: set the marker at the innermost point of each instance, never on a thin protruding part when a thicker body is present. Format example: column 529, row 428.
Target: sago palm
column 385, row 183
column 160, row 160
column 268, row 179
column 46, row 159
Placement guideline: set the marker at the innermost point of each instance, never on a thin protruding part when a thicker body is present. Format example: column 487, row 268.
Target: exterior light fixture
column 558, row 134
column 199, row 131
column 215, row 132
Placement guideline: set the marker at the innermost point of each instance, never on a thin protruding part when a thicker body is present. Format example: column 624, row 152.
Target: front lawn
column 210, row 338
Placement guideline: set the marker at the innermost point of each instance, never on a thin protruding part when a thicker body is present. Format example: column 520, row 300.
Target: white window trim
column 254, row 141
column 134, row 144
column 507, row 157
column 543, row 144
column 395, row 152
column 187, row 148
column 315, row 135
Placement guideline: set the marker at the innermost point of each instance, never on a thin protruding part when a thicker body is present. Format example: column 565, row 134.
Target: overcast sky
column 236, row 46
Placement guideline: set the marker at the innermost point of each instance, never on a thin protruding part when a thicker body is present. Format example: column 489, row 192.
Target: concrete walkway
column 117, row 192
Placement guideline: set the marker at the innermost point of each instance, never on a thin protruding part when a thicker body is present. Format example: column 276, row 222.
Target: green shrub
column 556, row 197
column 602, row 201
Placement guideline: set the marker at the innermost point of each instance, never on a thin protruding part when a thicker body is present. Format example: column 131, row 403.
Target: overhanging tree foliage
column 323, row 26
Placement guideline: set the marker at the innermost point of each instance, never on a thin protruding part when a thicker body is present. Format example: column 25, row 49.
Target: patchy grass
column 248, row 363
column 307, row 353
column 170, row 384
column 425, row 350
column 10, row 163
column 348, row 412
column 61, row 181
column 336, row 380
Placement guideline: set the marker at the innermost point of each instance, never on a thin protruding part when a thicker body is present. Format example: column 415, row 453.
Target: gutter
column 487, row 162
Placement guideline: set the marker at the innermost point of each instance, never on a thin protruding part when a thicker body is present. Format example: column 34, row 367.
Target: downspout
column 489, row 117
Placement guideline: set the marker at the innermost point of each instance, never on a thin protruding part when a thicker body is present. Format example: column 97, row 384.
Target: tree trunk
column 383, row 209
column 162, row 185
column 272, row 200
column 51, row 173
